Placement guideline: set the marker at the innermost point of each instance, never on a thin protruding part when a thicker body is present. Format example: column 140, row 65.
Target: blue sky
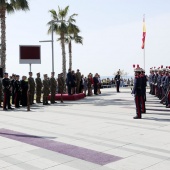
column 112, row 32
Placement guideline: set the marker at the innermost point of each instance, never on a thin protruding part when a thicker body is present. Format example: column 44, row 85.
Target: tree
column 9, row 6
column 60, row 28
column 72, row 35
column 67, row 32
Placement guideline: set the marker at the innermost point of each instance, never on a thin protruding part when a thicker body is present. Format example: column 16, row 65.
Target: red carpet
column 69, row 97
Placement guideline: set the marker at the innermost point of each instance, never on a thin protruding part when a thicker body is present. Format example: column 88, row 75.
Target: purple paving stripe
column 66, row 149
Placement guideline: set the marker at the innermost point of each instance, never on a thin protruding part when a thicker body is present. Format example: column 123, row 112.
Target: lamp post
column 52, row 41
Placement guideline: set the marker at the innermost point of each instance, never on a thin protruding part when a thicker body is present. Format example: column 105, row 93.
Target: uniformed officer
column 53, row 85
column 31, row 89
column 78, row 79
column 7, row 91
column 117, row 79
column 12, row 86
column 17, row 92
column 46, row 90
column 137, row 93
column 143, row 90
column 38, row 88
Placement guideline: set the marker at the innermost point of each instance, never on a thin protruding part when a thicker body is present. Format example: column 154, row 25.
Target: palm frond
column 71, row 18
column 78, row 39
column 9, row 8
column 53, row 14
column 20, row 4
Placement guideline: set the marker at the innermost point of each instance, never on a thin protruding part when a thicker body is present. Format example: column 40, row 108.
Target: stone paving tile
column 104, row 123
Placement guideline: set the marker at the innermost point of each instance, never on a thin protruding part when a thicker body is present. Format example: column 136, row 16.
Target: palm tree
column 72, row 35
column 8, row 6
column 60, row 28
column 63, row 27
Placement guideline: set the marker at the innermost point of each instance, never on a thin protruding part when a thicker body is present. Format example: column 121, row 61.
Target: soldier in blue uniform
column 137, row 93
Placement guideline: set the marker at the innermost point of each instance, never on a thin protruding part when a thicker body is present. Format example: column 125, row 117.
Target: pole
column 30, row 67
column 144, row 34
column 52, row 45
column 144, row 58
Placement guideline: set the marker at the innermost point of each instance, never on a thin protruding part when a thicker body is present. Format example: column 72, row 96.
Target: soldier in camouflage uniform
column 78, row 79
column 38, row 88
column 46, row 90
column 61, row 85
column 53, row 85
column 31, row 90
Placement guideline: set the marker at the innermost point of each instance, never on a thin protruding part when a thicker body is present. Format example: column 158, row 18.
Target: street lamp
column 52, row 41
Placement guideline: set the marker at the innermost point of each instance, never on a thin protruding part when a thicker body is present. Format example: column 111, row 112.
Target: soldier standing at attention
column 17, row 92
column 12, row 85
column 137, row 93
column 6, row 89
column 31, row 85
column 53, row 85
column 117, row 79
column 78, row 79
column 46, row 90
column 38, row 88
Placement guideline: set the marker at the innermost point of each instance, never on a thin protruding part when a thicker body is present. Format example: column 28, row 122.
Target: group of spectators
column 77, row 83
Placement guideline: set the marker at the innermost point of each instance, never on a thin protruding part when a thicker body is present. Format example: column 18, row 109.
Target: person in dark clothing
column 69, row 81
column 24, row 89
column 12, row 86
column 95, row 83
column 117, row 79
column 17, row 92
column 7, row 91
column 137, row 93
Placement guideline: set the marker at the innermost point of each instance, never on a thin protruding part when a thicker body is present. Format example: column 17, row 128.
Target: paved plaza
column 95, row 133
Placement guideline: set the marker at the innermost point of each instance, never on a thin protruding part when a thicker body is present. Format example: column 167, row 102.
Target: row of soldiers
column 159, row 81
column 23, row 91
column 139, row 91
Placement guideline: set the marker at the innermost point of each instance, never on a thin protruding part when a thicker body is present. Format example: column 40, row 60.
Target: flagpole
column 144, row 43
column 144, row 58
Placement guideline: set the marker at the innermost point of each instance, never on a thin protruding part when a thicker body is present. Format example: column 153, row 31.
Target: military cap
column 17, row 75
column 138, row 69
column 5, row 73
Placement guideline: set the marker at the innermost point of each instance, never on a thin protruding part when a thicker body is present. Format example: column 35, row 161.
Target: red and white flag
column 144, row 34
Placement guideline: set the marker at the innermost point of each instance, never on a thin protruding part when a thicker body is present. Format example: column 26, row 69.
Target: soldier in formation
column 53, row 85
column 38, row 88
column 139, row 92
column 46, row 90
column 31, row 88
column 160, row 84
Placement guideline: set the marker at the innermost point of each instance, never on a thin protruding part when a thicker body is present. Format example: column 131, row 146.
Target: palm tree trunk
column 70, row 55
column 63, row 56
column 3, row 38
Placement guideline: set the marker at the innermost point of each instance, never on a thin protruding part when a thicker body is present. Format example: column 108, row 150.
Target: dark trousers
column 138, row 105
column 95, row 88
column 69, row 89
column 143, row 103
column 17, row 99
column 117, row 85
column 6, row 100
